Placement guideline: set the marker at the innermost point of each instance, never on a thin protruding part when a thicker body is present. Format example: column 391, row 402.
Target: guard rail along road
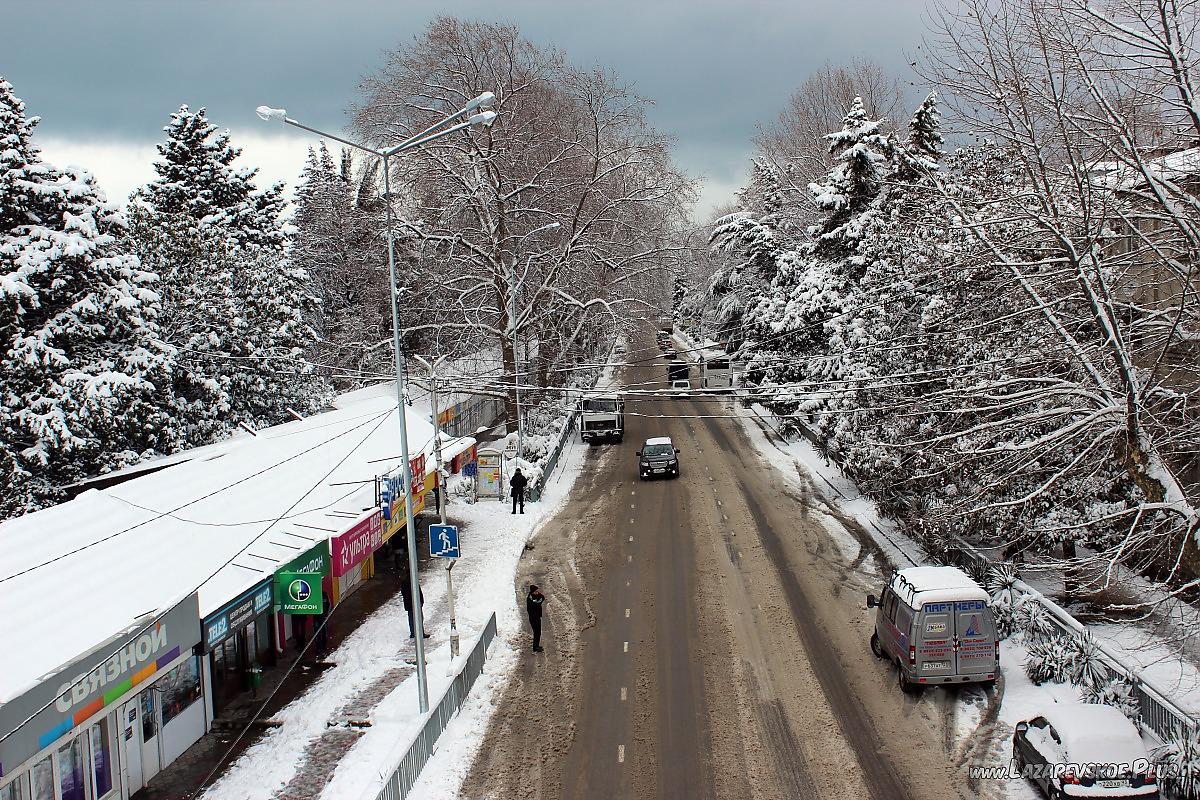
column 412, row 759
column 1159, row 715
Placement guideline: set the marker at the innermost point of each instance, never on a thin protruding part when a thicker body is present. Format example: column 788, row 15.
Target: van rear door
column 935, row 634
column 975, row 638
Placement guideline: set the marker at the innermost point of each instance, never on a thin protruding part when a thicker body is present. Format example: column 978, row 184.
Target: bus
column 716, row 372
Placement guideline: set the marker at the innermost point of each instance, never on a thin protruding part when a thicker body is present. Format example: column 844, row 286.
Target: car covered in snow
column 659, row 457
column 681, row 384
column 1077, row 750
column 936, row 625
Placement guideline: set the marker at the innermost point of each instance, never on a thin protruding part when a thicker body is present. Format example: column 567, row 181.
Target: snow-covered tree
column 569, row 146
column 339, row 242
column 237, row 310
column 85, row 380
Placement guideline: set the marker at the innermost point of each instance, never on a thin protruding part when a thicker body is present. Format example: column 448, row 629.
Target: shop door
column 131, row 747
column 148, row 733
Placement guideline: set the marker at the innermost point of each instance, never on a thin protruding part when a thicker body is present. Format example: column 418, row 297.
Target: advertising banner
column 299, row 592
column 355, row 545
column 490, row 476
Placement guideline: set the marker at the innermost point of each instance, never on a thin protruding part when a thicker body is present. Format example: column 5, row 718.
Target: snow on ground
column 802, row 465
column 493, row 541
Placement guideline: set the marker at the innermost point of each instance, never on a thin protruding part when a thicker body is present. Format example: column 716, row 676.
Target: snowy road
column 707, row 639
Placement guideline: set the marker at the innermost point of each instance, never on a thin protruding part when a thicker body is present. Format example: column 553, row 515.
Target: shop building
column 238, row 643
column 103, row 725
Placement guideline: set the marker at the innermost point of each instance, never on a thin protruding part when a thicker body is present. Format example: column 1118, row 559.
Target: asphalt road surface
column 705, row 637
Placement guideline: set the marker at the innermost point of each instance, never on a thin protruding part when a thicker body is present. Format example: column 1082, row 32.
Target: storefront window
column 70, row 771
column 149, row 723
column 14, row 790
column 101, row 763
column 180, row 688
column 43, row 780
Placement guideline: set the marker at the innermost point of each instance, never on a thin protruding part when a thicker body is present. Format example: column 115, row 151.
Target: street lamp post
column 477, row 117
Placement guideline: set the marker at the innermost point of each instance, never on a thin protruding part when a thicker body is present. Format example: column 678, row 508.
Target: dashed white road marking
column 630, row 559
column 724, row 518
column 624, row 694
column 627, row 613
column 627, row 647
column 631, row 520
column 631, row 505
column 718, row 502
column 620, row 754
column 631, row 538
column 626, row 583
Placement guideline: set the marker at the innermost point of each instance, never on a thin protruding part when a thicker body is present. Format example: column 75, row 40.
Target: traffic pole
column 441, row 496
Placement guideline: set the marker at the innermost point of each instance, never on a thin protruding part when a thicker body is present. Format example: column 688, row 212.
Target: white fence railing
column 1159, row 714
column 406, row 772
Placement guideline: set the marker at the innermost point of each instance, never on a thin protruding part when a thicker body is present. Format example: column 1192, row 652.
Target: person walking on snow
column 518, row 484
column 533, row 605
column 406, row 594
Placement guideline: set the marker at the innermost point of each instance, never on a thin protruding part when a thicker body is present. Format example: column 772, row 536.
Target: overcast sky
column 105, row 76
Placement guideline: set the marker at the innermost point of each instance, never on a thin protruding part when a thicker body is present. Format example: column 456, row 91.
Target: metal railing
column 1159, row 714
column 405, row 774
column 568, row 433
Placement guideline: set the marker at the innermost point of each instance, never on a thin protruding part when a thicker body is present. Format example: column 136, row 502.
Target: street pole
column 410, row 536
column 441, row 495
column 484, row 119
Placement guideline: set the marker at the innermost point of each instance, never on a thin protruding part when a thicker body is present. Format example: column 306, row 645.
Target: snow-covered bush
column 1088, row 669
column 1034, row 620
column 1005, row 614
column 1179, row 761
column 1049, row 660
column 1116, row 692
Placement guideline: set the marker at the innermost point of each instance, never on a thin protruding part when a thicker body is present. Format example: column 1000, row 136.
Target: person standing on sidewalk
column 533, row 605
column 406, row 594
column 518, row 484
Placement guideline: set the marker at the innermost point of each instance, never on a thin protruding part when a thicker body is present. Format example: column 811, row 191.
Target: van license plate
column 930, row 666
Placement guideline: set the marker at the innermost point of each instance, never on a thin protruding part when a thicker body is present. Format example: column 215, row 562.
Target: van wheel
column 876, row 647
column 906, row 686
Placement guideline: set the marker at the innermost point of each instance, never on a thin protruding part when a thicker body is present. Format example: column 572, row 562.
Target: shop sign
column 299, row 592
column 399, row 518
column 70, row 696
column 355, row 545
column 391, row 487
column 315, row 559
column 234, row 616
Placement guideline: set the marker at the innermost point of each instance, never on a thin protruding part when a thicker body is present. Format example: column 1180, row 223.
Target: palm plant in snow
column 1049, row 660
column 1179, row 763
column 1087, row 667
column 1116, row 692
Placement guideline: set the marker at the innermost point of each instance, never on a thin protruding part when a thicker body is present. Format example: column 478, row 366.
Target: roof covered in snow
column 920, row 585
column 74, row 574
column 1095, row 733
column 659, row 440
column 1169, row 167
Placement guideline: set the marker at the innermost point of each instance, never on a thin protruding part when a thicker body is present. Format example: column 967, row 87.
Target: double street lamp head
column 484, row 100
column 268, row 114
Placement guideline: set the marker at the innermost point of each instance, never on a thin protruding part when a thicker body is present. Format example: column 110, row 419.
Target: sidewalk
column 282, row 684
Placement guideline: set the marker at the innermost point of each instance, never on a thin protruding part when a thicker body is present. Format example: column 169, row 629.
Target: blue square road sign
column 443, row 541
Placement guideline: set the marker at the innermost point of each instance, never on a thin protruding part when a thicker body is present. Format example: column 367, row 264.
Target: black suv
column 658, row 456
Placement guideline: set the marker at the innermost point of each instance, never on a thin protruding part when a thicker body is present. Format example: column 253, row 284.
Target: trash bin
column 256, row 678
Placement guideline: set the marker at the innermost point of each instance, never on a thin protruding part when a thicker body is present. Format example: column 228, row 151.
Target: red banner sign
column 352, row 547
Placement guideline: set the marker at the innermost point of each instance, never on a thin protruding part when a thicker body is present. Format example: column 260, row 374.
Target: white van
column 936, row 625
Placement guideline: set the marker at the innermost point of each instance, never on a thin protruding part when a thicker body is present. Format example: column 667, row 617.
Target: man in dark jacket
column 406, row 594
column 533, row 605
column 518, row 484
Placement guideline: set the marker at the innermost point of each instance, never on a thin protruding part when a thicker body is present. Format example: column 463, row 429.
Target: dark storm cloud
column 116, row 69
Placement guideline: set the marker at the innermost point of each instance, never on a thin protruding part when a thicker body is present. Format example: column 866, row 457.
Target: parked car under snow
column 1072, row 750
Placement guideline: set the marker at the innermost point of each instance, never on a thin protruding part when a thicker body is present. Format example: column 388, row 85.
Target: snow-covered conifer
column 85, row 379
